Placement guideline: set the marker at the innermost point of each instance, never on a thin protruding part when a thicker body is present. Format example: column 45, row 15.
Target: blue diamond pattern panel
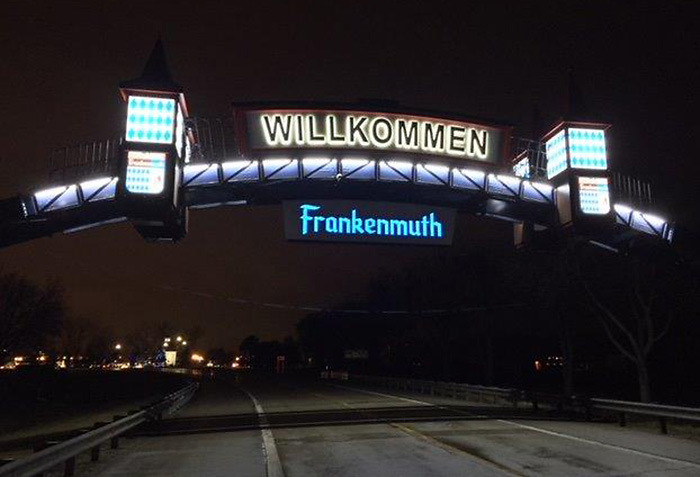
column 150, row 120
column 145, row 172
column 594, row 195
column 587, row 149
column 556, row 154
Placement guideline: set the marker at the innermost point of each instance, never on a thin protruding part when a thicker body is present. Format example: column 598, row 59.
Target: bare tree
column 635, row 301
column 29, row 313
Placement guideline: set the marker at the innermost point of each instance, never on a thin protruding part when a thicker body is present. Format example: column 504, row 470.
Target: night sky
column 62, row 61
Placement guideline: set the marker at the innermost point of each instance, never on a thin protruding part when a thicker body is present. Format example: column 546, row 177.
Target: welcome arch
column 167, row 164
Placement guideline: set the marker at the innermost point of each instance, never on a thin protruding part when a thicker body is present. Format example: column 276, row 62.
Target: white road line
column 545, row 431
column 602, row 444
column 414, row 401
column 273, row 464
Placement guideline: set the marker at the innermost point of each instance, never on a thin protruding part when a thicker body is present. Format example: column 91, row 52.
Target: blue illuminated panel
column 240, row 171
column 281, row 168
column 364, row 221
column 432, row 174
column 503, row 185
column 320, row 168
column 57, row 198
column 145, row 172
column 395, row 171
column 587, row 149
column 594, row 195
column 99, row 189
column 358, row 168
column 200, row 174
column 556, row 154
column 522, row 168
column 150, row 120
column 469, row 179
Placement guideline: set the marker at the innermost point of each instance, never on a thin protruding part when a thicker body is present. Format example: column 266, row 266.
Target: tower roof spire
column 156, row 74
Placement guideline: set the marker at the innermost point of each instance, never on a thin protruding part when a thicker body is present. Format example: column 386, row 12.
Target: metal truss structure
column 236, row 180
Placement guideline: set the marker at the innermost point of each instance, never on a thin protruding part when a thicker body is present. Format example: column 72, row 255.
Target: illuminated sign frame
column 146, row 172
column 593, row 195
column 368, row 222
column 288, row 129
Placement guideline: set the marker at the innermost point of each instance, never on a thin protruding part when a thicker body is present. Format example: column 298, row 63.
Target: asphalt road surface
column 283, row 427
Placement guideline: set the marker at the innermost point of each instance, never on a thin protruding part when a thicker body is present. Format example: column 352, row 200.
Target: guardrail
column 444, row 389
column 514, row 397
column 53, row 454
column 660, row 411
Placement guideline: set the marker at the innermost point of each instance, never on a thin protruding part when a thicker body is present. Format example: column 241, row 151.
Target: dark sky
column 61, row 63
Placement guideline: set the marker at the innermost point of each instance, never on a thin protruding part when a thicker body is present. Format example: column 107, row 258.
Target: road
column 312, row 428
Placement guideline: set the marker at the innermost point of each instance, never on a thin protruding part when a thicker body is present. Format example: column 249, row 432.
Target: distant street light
column 184, row 343
column 179, row 338
column 117, row 346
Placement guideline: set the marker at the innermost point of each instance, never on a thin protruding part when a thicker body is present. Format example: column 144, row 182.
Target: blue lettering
column 356, row 223
column 426, row 226
column 305, row 217
column 382, row 227
column 435, row 226
column 398, row 227
column 332, row 225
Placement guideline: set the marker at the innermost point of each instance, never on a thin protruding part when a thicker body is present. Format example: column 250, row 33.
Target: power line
column 321, row 309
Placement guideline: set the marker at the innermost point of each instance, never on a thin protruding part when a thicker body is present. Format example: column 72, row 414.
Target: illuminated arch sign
column 363, row 221
column 267, row 130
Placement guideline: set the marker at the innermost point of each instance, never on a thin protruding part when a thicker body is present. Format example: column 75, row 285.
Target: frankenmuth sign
column 365, row 221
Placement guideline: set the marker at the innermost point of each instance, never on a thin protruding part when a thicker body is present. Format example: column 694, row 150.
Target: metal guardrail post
column 95, row 453
column 50, row 454
column 622, row 419
column 69, row 467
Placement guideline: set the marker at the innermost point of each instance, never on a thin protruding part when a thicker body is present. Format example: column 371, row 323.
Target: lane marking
column 432, row 440
column 545, row 431
column 456, row 450
column 273, row 464
column 414, row 401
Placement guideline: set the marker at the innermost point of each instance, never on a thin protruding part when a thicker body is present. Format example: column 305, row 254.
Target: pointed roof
column 576, row 107
column 156, row 74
